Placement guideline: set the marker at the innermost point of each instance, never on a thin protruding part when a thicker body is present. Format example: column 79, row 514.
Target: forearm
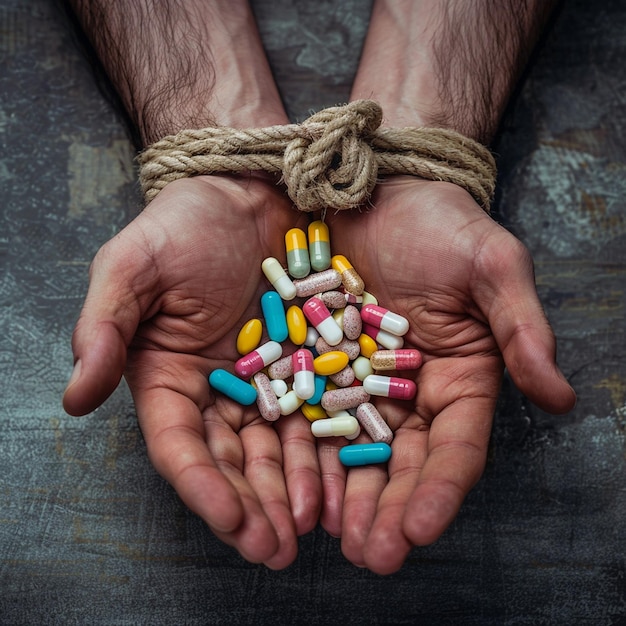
column 183, row 64
column 448, row 63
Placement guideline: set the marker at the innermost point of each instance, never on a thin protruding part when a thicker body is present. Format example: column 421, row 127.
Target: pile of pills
column 342, row 346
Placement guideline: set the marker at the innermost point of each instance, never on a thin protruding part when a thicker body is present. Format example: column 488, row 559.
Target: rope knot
column 333, row 164
column 330, row 161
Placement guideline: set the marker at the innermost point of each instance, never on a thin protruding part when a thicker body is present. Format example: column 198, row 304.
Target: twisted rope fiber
column 332, row 160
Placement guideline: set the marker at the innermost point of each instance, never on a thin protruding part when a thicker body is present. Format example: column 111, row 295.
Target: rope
column 332, row 160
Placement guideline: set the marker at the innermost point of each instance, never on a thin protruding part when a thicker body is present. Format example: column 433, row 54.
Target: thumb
column 508, row 296
column 106, row 325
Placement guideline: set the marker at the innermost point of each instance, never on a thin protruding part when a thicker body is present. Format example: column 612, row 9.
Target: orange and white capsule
column 275, row 273
column 350, row 278
column 303, row 373
column 407, row 359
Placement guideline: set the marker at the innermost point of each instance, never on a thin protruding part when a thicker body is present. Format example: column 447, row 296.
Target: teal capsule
column 298, row 261
column 319, row 245
column 365, row 454
column 320, row 388
column 275, row 317
column 233, row 387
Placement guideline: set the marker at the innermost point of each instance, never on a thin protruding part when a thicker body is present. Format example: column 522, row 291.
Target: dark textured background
column 89, row 534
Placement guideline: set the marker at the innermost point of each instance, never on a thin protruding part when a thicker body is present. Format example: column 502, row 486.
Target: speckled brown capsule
column 350, row 278
column 344, row 398
column 351, row 348
column 266, row 398
column 372, row 421
column 317, row 283
column 352, row 323
column 333, row 299
column 344, row 378
column 281, row 369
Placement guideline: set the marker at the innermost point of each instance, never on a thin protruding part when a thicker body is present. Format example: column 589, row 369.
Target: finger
column 386, row 546
column 264, row 472
column 506, row 291
column 203, row 461
column 301, row 470
column 457, row 452
column 107, row 322
column 363, row 489
column 333, row 475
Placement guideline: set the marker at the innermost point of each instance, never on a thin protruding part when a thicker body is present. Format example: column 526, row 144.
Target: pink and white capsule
column 382, row 318
column 385, row 339
column 390, row 387
column 253, row 362
column 303, row 373
column 318, row 314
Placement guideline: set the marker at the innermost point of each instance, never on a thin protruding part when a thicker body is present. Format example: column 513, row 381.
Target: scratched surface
column 90, row 534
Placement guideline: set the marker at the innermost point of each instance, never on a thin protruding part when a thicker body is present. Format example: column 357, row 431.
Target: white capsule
column 275, row 273
column 311, row 337
column 289, row 403
column 335, row 426
column 362, row 367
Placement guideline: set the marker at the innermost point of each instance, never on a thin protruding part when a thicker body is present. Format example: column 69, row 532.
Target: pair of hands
column 170, row 292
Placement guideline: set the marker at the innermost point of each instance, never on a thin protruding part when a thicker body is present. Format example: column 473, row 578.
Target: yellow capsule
column 330, row 362
column 350, row 278
column 296, row 324
column 249, row 336
column 319, row 245
column 368, row 345
column 313, row 412
column 298, row 261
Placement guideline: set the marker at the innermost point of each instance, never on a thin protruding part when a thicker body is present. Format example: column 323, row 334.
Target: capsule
column 274, row 315
column 298, row 261
column 290, row 403
column 249, row 336
column 281, row 369
column 320, row 388
column 357, row 454
column 352, row 322
column 367, row 344
column 333, row 299
column 311, row 336
column 275, row 273
column 390, row 387
column 350, row 279
column 330, row 362
column 319, row 245
column 382, row 318
column 233, row 387
column 313, row 412
column 267, row 401
column 344, row 398
column 376, row 427
column 303, row 374
column 385, row 339
column 317, row 283
column 335, row 426
column 296, row 325
column 408, row 359
column 318, row 314
column 247, row 366
column 343, row 378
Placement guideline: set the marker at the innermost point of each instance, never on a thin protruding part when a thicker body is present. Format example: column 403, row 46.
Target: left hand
column 430, row 254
